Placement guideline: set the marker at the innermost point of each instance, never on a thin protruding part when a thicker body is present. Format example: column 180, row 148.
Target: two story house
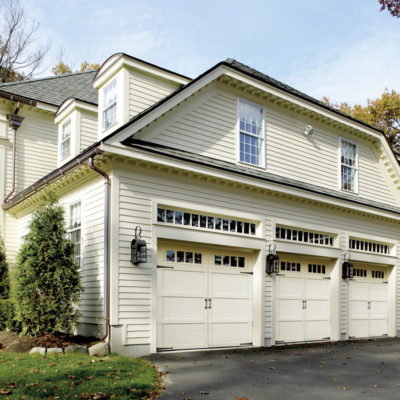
column 211, row 212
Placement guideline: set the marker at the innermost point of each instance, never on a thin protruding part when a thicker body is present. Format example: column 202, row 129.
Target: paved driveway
column 353, row 370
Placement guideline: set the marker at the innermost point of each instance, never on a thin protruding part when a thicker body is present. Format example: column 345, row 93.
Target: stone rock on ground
column 54, row 350
column 40, row 350
column 99, row 349
column 76, row 348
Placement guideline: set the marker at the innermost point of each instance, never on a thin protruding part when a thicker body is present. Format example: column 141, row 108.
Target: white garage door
column 368, row 310
column 302, row 300
column 204, row 297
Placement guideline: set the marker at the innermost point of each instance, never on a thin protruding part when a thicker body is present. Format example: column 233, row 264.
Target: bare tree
column 393, row 6
column 17, row 59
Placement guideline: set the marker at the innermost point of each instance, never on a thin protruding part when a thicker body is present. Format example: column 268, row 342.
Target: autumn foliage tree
column 382, row 113
column 393, row 6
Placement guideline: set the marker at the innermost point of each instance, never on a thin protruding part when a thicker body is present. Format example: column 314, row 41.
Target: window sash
column 251, row 133
column 74, row 231
column 348, row 166
column 110, row 104
column 65, row 143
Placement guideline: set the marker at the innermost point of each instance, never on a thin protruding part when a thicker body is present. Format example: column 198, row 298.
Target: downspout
column 106, row 244
column 15, row 122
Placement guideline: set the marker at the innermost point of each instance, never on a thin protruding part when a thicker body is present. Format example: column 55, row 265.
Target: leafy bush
column 47, row 280
column 6, row 314
column 4, row 279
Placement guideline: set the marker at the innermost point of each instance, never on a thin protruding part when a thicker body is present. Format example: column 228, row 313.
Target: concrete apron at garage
column 346, row 370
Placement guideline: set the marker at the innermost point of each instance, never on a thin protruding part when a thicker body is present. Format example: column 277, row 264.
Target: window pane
column 178, row 217
column 241, row 262
column 160, row 215
column 171, row 255
column 226, row 260
column 195, row 220
column 197, row 258
column 203, row 221
column 210, row 222
column 189, row 257
column 170, row 216
column 186, row 219
column 217, row 260
column 218, row 224
column 180, row 256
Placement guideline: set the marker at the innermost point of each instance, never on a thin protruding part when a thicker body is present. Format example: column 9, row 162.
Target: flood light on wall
column 272, row 266
column 347, row 267
column 138, row 248
column 308, row 130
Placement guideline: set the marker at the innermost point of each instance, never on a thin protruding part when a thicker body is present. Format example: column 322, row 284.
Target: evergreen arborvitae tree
column 47, row 283
column 4, row 279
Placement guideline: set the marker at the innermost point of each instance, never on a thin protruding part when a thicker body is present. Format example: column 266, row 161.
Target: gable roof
column 55, row 89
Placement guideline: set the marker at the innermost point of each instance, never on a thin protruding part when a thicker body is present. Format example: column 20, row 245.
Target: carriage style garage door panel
column 302, row 299
column 368, row 306
column 204, row 297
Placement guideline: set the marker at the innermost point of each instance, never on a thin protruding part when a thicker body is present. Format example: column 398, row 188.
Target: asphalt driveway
column 351, row 370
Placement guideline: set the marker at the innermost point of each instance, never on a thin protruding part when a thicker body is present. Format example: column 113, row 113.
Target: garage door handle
column 205, row 304
column 209, row 304
column 369, row 305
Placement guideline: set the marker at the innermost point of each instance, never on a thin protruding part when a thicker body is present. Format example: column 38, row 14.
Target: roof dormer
column 127, row 86
column 77, row 128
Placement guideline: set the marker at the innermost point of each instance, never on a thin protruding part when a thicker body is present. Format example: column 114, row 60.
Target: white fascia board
column 166, row 106
column 300, row 102
column 144, row 155
column 46, row 107
column 69, row 106
column 112, row 67
column 306, row 249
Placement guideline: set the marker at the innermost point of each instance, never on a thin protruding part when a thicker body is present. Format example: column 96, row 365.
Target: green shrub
column 4, row 279
column 6, row 314
column 47, row 284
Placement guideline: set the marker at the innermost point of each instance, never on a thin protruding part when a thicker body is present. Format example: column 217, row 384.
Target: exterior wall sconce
column 272, row 266
column 308, row 130
column 138, row 248
column 347, row 267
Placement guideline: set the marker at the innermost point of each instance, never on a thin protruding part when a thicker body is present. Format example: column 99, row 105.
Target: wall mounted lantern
column 272, row 260
column 347, row 267
column 138, row 248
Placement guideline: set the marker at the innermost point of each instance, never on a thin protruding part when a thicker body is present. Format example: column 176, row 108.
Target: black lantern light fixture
column 347, row 267
column 272, row 260
column 138, row 248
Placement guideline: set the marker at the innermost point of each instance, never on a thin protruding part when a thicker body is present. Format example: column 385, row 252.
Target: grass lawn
column 75, row 376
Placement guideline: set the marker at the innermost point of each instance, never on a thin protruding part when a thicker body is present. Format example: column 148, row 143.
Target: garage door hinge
column 247, row 273
column 163, row 266
column 246, row 344
column 327, row 277
column 385, row 282
column 164, row 348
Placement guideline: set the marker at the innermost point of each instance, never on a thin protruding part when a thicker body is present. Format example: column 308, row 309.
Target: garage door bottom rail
column 242, row 345
column 283, row 343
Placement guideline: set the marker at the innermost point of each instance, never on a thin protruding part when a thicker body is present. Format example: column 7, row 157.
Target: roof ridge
column 47, row 78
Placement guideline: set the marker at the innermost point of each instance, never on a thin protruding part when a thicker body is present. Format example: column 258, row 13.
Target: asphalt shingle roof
column 55, row 89
column 242, row 170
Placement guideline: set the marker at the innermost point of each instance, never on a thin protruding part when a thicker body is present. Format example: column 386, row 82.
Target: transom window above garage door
column 192, row 219
column 316, row 269
column 290, row 266
column 369, row 246
column 304, row 236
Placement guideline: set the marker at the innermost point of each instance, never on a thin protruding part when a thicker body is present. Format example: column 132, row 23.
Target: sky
column 346, row 50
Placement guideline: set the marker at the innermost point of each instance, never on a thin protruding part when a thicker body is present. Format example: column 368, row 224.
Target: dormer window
column 65, row 143
column 110, row 105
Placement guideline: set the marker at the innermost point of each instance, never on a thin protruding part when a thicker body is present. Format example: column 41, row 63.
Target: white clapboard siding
column 11, row 238
column 36, row 150
column 136, row 189
column 344, row 293
column 88, row 129
column 397, row 271
column 207, row 124
column 145, row 90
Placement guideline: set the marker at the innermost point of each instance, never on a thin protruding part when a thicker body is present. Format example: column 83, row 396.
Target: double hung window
column 251, row 133
column 110, row 104
column 348, row 166
column 65, row 142
column 74, row 230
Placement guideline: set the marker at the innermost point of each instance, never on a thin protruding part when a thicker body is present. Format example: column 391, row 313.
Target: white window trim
column 263, row 142
column 103, row 129
column 355, row 191
column 75, row 137
column 69, row 204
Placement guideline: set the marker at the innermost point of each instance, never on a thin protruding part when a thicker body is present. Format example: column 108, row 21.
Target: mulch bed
column 13, row 343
